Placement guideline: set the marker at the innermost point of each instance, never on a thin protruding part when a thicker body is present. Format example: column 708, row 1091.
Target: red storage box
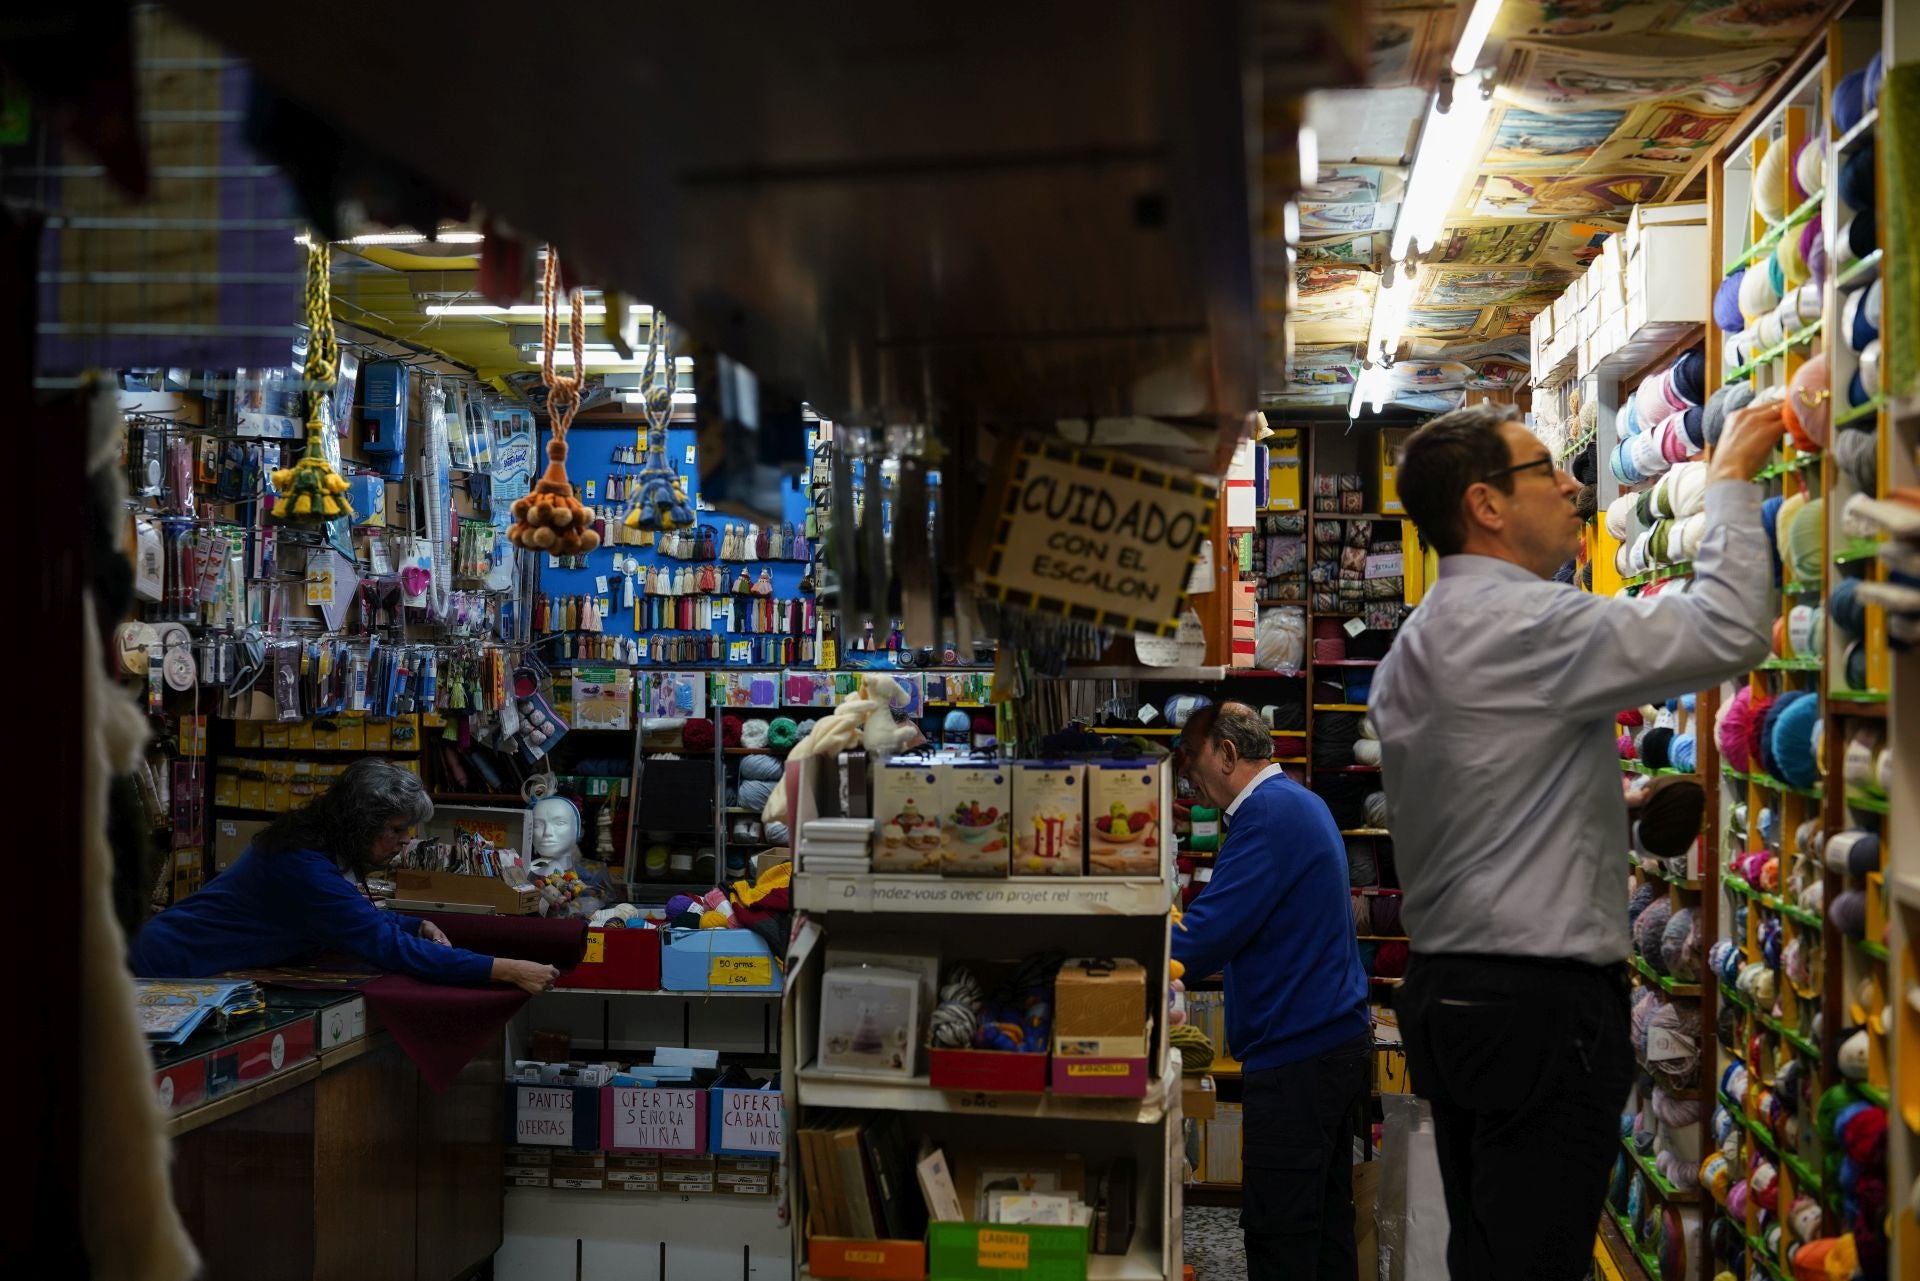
column 998, row 1070
column 847, row 1259
column 1100, row 1078
column 625, row 959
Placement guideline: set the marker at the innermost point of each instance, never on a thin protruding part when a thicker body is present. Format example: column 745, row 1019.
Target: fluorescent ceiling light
column 403, row 238
column 1371, row 388
column 640, row 398
column 1440, row 165
column 1390, row 304
column 1309, row 149
column 607, row 358
column 593, row 310
column 1472, row 40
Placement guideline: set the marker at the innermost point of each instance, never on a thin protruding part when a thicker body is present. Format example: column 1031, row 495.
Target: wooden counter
column 346, row 1168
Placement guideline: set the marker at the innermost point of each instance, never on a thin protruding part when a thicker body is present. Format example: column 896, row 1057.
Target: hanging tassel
column 311, row 492
column 551, row 519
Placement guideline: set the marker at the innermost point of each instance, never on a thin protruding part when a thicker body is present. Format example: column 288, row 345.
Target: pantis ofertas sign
column 1093, row 536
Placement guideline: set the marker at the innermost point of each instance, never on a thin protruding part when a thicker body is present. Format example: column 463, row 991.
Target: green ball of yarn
column 782, row 732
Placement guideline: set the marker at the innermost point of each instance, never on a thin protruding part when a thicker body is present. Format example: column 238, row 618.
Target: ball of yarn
column 1653, row 747
column 775, row 833
column 1793, row 266
column 1856, row 178
column 953, row 1024
column 1806, row 539
column 1854, row 852
column 1679, row 1023
column 765, row 769
column 1856, row 665
column 1366, row 751
column 1847, row 105
column 1856, row 320
column 1869, row 372
column 1808, row 408
column 1181, row 707
column 1376, row 809
column 1649, row 929
column 1770, row 183
column 1758, row 293
column 697, row 735
column 1361, row 866
column 1813, row 248
column 782, row 732
column 1689, row 379
column 1641, row 900
column 1390, row 961
column 1792, row 739
column 1763, row 1185
column 754, row 793
column 1684, row 753
column 1848, row 912
column 1726, row 304
column 1716, row 1176
column 1724, row 402
column 1385, row 917
column 729, row 730
column 753, row 733
column 1810, row 166
column 1670, row 816
column 1680, row 946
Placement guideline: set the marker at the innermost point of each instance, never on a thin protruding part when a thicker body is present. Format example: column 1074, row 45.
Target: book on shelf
column 856, row 1172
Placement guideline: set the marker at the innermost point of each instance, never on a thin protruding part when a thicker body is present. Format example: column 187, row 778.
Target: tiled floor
column 1212, row 1243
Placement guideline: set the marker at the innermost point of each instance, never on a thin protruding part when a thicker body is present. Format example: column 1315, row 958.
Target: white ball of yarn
column 1870, row 367
column 753, row 733
column 1770, row 183
column 1757, row 294
column 953, row 1025
column 1623, row 518
column 1810, row 166
column 1366, row 751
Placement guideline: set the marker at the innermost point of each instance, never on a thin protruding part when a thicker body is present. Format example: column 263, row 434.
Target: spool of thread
column 1726, row 304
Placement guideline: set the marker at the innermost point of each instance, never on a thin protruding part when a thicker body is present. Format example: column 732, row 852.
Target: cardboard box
column 1049, row 818
column 1125, row 803
column 705, row 960
column 1104, row 1047
column 1102, row 1078
column 232, row 836
column 621, row 959
column 975, row 822
column 994, row 1251
column 847, row 1259
column 452, row 887
column 579, row 1183
column 909, row 804
column 995, row 1071
column 1099, row 997
column 1197, row 1098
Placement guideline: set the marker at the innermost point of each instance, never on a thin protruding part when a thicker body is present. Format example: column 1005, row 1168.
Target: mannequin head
column 553, row 832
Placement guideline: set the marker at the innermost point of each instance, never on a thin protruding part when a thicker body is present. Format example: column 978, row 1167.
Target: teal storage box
column 717, row 960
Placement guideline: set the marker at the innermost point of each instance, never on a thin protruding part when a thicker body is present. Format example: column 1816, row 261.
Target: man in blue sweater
column 1277, row 919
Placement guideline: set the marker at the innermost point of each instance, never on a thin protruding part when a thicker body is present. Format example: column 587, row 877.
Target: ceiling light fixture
column 1371, row 388
column 606, row 358
column 640, row 398
column 1474, row 38
column 1440, row 165
column 402, row 238
column 1390, row 304
column 518, row 309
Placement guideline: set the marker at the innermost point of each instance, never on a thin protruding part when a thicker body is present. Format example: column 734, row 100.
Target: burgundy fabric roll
column 440, row 1027
column 1330, row 649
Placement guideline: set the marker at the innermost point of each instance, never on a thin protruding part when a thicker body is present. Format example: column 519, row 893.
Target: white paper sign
column 750, row 1120
column 1664, row 1043
column 658, row 1120
column 544, row 1115
column 1384, row 565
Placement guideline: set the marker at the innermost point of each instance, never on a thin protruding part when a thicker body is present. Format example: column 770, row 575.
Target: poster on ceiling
column 1470, row 352
column 1578, row 19
column 1553, row 195
column 1747, row 21
column 1355, row 251
column 1405, row 44
column 1442, row 321
column 1527, row 139
column 1345, row 218
column 1547, row 78
column 1322, row 371
column 1662, row 135
column 1485, row 288
column 1344, row 184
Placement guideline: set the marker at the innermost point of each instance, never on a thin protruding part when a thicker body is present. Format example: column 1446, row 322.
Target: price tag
column 1006, row 1251
column 600, row 583
column 596, row 948
column 740, row 971
column 1664, row 1043
column 690, row 450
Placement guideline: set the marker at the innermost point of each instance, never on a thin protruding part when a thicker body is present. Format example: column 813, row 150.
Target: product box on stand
column 1127, row 803
column 1100, row 1030
column 528, row 1167
column 909, row 811
column 633, row 1171
column 853, row 1259
column 716, row 960
column 579, row 1171
column 745, row 1175
column 992, row 1251
column 1002, row 1071
column 1049, row 818
column 623, row 959
column 979, row 804
column 1386, row 471
column 1283, row 470
column 688, row 1174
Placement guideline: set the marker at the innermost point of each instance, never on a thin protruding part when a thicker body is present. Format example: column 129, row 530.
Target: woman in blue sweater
column 298, row 889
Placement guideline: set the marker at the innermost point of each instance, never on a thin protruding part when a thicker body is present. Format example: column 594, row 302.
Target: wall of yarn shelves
column 1795, row 964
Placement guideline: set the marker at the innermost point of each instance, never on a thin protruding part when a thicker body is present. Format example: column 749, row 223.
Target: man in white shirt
column 1494, row 710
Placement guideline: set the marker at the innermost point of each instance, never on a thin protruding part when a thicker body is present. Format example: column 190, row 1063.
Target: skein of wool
column 1733, row 727
column 1670, row 816
column 1376, row 809
column 1649, row 929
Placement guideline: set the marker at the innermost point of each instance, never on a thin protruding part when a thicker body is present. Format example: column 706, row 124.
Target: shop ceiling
column 1599, row 105
column 1004, row 211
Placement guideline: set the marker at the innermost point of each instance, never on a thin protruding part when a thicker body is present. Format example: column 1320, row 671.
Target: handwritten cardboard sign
column 650, row 1119
column 543, row 1114
column 747, row 1122
column 1093, row 536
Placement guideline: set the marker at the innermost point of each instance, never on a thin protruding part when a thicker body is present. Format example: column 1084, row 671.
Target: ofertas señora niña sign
column 1093, row 536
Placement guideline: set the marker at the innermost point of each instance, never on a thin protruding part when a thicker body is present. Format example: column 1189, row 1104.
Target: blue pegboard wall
column 590, row 454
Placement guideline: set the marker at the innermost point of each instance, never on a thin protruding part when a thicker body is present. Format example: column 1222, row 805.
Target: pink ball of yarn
column 1737, row 1200
column 1734, row 729
column 1628, row 750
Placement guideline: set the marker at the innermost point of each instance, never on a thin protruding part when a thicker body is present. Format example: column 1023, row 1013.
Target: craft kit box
column 869, row 1021
column 1125, row 802
column 979, row 803
column 909, row 800
column 1049, row 818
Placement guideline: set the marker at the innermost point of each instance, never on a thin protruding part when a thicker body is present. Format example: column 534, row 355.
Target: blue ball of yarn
column 765, row 769
column 1856, row 319
column 1181, row 706
column 1726, row 304
column 1769, row 519
column 1690, row 376
column 1856, row 390
column 1687, row 701
column 1857, row 665
column 1695, row 424
column 1848, row 103
column 1857, row 178
column 1845, row 609
column 1683, row 753
column 1623, row 468
column 1791, row 734
column 1876, row 76
column 754, row 794
column 957, row 728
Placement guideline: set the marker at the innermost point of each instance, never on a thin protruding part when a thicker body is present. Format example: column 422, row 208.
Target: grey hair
column 344, row 821
column 1234, row 723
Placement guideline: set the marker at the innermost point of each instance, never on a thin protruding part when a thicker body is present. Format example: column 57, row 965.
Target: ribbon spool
column 311, row 492
column 551, row 519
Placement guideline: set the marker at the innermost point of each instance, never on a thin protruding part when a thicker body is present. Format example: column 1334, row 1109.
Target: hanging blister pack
column 149, row 560
column 286, row 680
column 357, row 682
